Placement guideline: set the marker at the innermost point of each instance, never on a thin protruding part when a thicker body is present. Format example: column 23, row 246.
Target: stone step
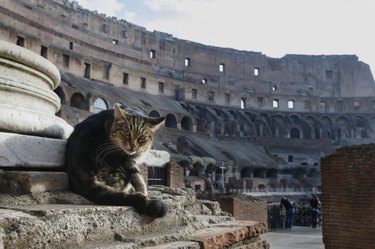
column 229, row 233
column 72, row 226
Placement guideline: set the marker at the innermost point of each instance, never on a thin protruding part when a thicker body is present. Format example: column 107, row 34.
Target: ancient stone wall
column 245, row 208
column 348, row 197
column 91, row 45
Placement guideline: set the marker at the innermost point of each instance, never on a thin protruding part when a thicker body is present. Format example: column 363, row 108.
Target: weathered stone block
column 218, row 237
column 30, row 151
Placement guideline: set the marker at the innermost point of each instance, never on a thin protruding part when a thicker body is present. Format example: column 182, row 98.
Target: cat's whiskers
column 106, row 149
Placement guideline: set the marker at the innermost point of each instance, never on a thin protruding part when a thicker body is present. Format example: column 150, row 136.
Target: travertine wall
column 72, row 37
column 348, row 198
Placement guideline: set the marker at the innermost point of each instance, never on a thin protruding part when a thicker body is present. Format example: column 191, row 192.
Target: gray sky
column 273, row 27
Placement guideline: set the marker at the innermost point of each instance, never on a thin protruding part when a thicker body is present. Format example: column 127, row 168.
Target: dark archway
column 295, row 133
column 170, row 121
column 78, row 101
column 186, row 124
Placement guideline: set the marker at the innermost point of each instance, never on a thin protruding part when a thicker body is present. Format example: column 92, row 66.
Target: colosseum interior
column 253, row 122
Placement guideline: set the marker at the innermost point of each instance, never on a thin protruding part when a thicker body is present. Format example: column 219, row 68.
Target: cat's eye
column 142, row 138
column 126, row 133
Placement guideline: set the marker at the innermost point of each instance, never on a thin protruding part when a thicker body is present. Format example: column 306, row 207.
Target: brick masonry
column 348, row 197
column 245, row 208
column 175, row 178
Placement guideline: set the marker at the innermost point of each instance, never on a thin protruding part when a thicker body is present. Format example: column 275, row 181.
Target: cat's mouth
column 130, row 153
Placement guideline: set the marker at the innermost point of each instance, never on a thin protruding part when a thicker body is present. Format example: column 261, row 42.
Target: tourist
column 315, row 209
column 289, row 210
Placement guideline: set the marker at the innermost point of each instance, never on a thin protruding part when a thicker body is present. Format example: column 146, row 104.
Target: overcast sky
column 273, row 27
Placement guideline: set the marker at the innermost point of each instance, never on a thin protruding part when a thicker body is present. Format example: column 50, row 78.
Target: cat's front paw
column 156, row 208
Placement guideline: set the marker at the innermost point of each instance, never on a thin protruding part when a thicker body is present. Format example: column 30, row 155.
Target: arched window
column 99, row 105
column 170, row 121
column 78, row 101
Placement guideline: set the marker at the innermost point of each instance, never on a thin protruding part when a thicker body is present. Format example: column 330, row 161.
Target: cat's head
column 134, row 132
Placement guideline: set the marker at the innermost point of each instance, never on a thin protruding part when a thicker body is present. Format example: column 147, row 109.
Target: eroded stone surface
column 45, row 220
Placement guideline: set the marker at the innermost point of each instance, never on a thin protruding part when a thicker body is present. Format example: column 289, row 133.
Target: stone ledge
column 31, row 182
column 229, row 233
column 177, row 245
column 30, row 151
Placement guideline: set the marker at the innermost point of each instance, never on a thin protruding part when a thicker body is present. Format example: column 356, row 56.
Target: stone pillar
column 31, row 135
column 27, row 101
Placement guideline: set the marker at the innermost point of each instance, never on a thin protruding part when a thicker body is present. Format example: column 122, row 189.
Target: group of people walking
column 291, row 209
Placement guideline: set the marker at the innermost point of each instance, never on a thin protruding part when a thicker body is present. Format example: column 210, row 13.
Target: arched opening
column 246, row 172
column 170, row 121
column 154, row 114
column 186, row 123
column 295, row 133
column 99, row 105
column 78, row 101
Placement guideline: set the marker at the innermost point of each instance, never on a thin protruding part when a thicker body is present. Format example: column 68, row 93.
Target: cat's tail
column 141, row 203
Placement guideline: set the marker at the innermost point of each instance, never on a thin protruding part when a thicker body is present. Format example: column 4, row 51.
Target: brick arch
column 186, row 123
column 79, row 101
column 171, row 121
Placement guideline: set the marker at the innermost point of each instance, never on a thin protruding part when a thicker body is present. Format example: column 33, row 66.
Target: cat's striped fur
column 102, row 157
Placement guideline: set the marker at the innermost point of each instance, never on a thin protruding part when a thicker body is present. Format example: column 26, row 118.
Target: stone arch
column 79, row 101
column 263, row 128
column 100, row 104
column 278, row 126
column 170, row 121
column 360, row 130
column 154, row 114
column 315, row 126
column 326, row 130
column 230, row 128
column 186, row 123
column 295, row 133
column 305, row 128
column 342, row 126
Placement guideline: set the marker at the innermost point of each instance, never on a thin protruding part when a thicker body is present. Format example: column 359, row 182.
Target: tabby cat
column 102, row 155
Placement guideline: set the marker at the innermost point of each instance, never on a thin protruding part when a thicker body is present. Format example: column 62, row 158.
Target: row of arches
column 220, row 121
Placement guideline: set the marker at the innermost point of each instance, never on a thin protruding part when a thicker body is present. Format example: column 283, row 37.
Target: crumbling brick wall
column 175, row 178
column 348, row 197
column 244, row 208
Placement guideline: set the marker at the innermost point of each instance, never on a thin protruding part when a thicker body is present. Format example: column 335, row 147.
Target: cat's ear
column 118, row 113
column 155, row 123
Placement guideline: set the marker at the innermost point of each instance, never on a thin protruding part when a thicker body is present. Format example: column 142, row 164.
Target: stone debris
column 65, row 220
